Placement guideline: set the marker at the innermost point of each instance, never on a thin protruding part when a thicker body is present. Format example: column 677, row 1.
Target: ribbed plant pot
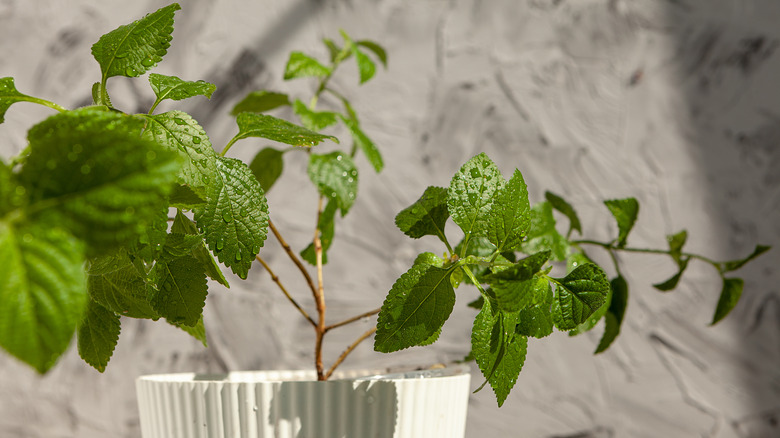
column 292, row 404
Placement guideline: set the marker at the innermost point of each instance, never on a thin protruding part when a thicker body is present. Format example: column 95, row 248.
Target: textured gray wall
column 674, row 102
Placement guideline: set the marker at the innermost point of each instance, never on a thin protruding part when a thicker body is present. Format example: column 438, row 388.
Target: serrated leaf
column 185, row 198
column 578, row 295
column 148, row 246
column 509, row 218
column 198, row 331
column 594, row 318
column 336, row 177
column 361, row 140
column 132, row 49
column 272, row 128
column 12, row 194
column 182, row 224
column 625, row 212
column 97, row 335
column 179, row 132
column 736, row 264
column 729, row 297
column 471, row 195
column 9, row 95
column 90, row 172
column 234, row 221
column 564, row 207
column 267, row 166
column 181, row 290
column 327, row 229
column 415, row 309
column 378, row 50
column 300, row 66
column 178, row 245
column 174, row 88
column 498, row 350
column 314, row 120
column 114, row 283
column 426, row 216
column 614, row 316
column 671, row 283
column 542, row 234
column 42, row 291
column 536, row 321
column 515, row 286
column 260, row 102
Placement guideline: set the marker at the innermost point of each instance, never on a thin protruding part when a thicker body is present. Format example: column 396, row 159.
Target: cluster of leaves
column 507, row 252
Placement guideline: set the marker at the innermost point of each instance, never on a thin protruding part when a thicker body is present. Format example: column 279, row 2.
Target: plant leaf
column 132, row 49
column 314, row 120
column 300, row 66
column 378, row 50
column 327, row 230
column 361, row 140
column 471, row 195
column 234, row 221
column 671, row 283
column 498, row 350
column 515, row 287
column 90, row 172
column 542, row 234
column 198, row 331
column 267, row 167
column 736, row 264
column 415, row 309
column 260, row 102
column 625, row 212
column 578, row 295
column 181, row 290
column 97, row 335
column 272, row 128
column 594, row 318
column 509, row 218
column 614, row 316
column 729, row 297
column 336, row 177
column 12, row 194
column 564, row 207
column 536, row 321
column 114, row 283
column 182, row 224
column 171, row 87
column 179, row 132
column 9, row 95
column 43, row 292
column 426, row 216
column 676, row 242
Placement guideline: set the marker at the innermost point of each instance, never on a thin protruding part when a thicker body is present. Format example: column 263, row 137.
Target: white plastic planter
column 292, row 404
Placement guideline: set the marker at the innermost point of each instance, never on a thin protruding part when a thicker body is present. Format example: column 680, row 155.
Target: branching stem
column 351, row 320
column 610, row 247
column 293, row 257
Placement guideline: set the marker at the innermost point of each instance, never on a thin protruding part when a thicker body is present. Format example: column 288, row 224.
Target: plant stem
column 349, row 349
column 609, row 246
column 45, row 102
column 353, row 319
column 229, row 145
column 284, row 290
column 293, row 257
column 319, row 296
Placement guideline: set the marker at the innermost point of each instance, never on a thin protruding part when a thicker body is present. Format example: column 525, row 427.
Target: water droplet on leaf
column 132, row 72
column 147, row 62
column 196, row 140
column 179, row 121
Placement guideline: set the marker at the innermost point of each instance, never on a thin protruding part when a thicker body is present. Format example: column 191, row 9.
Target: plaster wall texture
column 673, row 102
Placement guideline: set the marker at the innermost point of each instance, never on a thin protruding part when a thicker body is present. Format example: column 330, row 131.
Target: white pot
column 292, row 404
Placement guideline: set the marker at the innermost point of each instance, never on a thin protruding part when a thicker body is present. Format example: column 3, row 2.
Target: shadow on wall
column 728, row 56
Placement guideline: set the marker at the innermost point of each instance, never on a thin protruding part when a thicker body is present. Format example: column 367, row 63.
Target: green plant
column 86, row 237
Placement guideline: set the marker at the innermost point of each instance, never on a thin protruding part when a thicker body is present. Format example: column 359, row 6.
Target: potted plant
column 107, row 214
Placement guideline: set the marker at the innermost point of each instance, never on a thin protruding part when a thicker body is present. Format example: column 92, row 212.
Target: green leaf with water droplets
column 361, row 140
column 132, row 49
column 260, row 102
column 314, row 120
column 116, row 284
column 614, row 316
column 625, row 212
column 174, row 88
column 107, row 188
column 336, row 177
column 272, row 128
column 179, row 132
column 564, row 207
column 594, row 318
column 729, row 297
column 267, row 167
column 509, row 217
column 9, row 95
column 415, row 309
column 181, row 290
column 183, row 224
column 578, row 295
column 536, row 321
column 234, row 220
column 427, row 216
column 542, row 234
column 198, row 331
column 97, row 335
column 515, row 287
column 498, row 350
column 42, row 291
column 301, row 65
column 471, row 194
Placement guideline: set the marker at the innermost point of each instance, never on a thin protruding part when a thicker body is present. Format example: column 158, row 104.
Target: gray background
column 674, row 102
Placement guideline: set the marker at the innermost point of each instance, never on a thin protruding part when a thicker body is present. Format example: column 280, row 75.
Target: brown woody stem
column 353, row 319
